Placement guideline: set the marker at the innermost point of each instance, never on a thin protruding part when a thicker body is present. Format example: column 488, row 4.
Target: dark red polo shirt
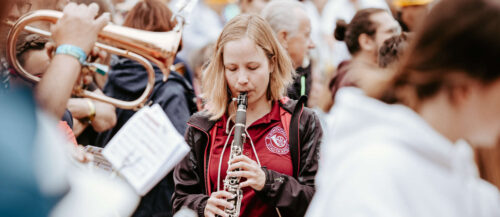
column 272, row 147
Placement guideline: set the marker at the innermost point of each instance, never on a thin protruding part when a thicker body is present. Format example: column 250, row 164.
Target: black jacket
column 295, row 88
column 127, row 81
column 291, row 195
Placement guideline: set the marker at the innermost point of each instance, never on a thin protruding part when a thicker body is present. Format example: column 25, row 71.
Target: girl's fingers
column 241, row 165
column 222, row 203
column 242, row 174
column 222, row 194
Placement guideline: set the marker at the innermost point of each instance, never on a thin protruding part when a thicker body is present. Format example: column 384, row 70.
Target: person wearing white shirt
column 400, row 150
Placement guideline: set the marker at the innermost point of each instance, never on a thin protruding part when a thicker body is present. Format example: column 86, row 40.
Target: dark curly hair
column 360, row 24
column 392, row 49
column 27, row 42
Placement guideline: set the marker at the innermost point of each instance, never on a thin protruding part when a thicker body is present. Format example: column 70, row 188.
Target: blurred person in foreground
column 405, row 152
column 34, row 163
column 292, row 27
column 488, row 162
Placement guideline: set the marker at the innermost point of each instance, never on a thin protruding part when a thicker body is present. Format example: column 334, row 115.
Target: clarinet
column 231, row 184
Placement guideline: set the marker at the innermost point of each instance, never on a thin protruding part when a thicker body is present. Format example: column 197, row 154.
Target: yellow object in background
column 405, row 3
column 219, row 2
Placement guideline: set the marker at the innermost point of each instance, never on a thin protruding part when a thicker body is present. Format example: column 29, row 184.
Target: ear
column 366, row 42
column 272, row 64
column 50, row 47
column 459, row 93
column 283, row 38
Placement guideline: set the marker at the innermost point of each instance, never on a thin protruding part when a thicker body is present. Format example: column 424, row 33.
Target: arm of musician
column 189, row 190
column 79, row 28
column 79, row 127
column 292, row 195
column 52, row 94
column 105, row 116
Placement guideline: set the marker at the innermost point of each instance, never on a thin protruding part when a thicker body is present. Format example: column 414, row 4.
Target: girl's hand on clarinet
column 250, row 170
column 217, row 203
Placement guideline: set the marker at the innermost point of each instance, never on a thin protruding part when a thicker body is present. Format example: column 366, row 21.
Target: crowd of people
column 353, row 108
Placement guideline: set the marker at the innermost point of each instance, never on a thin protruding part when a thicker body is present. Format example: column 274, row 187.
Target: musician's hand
column 216, row 204
column 81, row 155
column 78, row 26
column 95, row 56
column 249, row 169
column 98, row 56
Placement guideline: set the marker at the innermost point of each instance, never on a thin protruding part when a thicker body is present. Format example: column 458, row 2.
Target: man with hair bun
column 363, row 36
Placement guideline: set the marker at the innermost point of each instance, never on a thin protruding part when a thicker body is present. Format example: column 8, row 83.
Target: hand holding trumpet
column 77, row 27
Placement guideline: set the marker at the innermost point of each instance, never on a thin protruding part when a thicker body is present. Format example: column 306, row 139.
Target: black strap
column 294, row 134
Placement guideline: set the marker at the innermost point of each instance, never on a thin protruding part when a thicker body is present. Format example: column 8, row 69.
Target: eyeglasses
column 23, row 6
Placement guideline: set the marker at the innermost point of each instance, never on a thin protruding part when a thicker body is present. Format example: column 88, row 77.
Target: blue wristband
column 73, row 51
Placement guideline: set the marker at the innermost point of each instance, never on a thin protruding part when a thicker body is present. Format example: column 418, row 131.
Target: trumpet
column 139, row 45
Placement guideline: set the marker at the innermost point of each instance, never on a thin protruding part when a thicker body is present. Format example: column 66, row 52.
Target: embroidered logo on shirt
column 277, row 142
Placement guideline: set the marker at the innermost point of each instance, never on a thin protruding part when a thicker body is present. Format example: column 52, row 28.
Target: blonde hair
column 215, row 88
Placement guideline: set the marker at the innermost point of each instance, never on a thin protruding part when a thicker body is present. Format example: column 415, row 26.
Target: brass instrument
column 141, row 46
column 232, row 184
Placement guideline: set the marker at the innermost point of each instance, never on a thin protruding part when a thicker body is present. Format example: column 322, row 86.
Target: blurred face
column 253, row 6
column 481, row 114
column 24, row 6
column 247, row 69
column 299, row 43
column 387, row 27
column 36, row 62
column 19, row 8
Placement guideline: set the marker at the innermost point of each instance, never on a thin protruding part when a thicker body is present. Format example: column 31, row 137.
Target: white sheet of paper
column 146, row 148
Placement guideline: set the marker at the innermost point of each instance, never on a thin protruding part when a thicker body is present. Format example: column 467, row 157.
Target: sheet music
column 99, row 160
column 146, row 148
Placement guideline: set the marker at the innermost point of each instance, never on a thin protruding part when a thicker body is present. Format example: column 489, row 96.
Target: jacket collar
column 201, row 120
